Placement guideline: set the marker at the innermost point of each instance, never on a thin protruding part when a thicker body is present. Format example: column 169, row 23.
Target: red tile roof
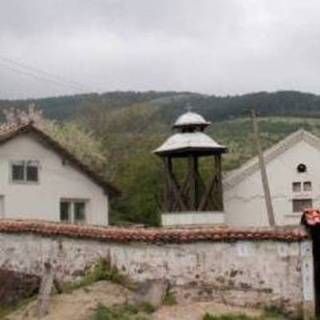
column 311, row 217
column 152, row 235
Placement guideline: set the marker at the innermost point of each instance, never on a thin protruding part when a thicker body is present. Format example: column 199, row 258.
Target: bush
column 121, row 312
column 102, row 270
column 209, row 316
column 169, row 299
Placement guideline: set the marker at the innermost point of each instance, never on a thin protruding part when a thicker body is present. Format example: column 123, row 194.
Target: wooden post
column 173, row 186
column 193, row 169
column 264, row 177
column 218, row 174
column 167, row 203
column 196, row 182
column 205, row 198
column 45, row 290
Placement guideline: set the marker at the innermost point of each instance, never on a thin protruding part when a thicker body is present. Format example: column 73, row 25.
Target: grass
column 230, row 316
column 102, row 270
column 270, row 313
column 120, row 312
column 6, row 310
column 169, row 299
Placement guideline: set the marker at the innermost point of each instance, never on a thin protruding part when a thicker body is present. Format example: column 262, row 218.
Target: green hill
column 170, row 104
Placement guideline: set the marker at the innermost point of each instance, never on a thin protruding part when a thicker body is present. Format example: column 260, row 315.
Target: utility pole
column 264, row 177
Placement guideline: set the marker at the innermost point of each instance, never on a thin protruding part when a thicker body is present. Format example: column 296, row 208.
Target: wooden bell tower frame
column 192, row 194
column 190, row 143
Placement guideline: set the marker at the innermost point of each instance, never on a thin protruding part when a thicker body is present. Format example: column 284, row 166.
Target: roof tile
column 152, row 235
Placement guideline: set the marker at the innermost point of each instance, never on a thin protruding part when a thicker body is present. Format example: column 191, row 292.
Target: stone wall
column 16, row 286
column 253, row 272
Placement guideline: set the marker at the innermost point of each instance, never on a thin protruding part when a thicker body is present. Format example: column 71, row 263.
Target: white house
column 293, row 168
column 39, row 179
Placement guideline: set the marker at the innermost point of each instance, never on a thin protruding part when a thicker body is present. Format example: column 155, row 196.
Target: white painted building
column 293, row 168
column 39, row 179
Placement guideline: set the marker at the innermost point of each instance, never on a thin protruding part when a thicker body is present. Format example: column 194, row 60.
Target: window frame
column 69, row 220
column 299, row 200
column 296, row 184
column 26, row 164
column 72, row 202
column 309, row 184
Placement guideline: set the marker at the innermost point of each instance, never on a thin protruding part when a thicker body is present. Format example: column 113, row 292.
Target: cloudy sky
column 54, row 47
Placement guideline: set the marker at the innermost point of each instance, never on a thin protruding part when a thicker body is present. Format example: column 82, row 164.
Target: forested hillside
column 289, row 103
column 127, row 126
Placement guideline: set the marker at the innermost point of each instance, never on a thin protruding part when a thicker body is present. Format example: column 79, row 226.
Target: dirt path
column 196, row 311
column 81, row 304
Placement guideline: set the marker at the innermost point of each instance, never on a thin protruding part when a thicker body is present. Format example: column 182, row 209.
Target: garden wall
column 244, row 267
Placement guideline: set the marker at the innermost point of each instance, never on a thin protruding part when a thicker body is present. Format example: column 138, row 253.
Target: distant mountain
column 67, row 107
column 171, row 104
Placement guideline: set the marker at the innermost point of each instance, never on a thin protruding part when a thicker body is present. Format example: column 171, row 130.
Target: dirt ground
column 80, row 305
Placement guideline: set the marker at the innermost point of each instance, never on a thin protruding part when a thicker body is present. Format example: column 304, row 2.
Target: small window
column 298, row 205
column 296, row 186
column 307, row 186
column 25, row 171
column 18, row 171
column 65, row 212
column 32, row 171
column 79, row 212
column 72, row 211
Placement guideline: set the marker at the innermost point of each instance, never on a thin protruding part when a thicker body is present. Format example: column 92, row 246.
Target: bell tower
column 191, row 201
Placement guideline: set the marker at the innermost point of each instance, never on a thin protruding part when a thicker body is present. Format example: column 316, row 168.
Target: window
column 307, row 186
column 18, row 171
column 296, row 186
column 73, row 211
column 79, row 211
column 25, row 171
column 65, row 211
column 301, row 168
column 32, row 171
column 298, row 205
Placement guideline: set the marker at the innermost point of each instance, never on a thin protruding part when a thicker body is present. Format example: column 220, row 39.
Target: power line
column 34, row 75
column 23, row 65
column 39, row 74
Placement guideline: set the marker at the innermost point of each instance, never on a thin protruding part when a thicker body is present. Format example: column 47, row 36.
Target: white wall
column 192, row 218
column 244, row 202
column 245, row 273
column 56, row 181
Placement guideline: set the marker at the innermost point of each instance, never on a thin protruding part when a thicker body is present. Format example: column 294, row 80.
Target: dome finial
column 190, row 120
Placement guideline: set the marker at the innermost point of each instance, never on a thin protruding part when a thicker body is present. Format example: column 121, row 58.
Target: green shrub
column 273, row 312
column 102, row 270
column 169, row 299
column 120, row 312
column 147, row 307
column 209, row 316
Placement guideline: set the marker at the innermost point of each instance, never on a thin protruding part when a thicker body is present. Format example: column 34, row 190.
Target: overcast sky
column 54, row 47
